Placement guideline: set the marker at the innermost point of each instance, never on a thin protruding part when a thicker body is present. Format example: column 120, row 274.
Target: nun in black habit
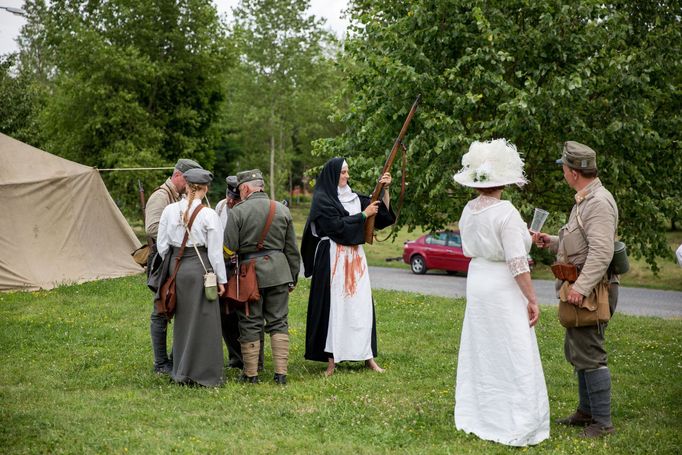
column 341, row 324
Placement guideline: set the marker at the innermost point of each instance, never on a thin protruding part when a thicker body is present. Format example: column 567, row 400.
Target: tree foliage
column 607, row 74
column 133, row 82
column 282, row 91
column 21, row 99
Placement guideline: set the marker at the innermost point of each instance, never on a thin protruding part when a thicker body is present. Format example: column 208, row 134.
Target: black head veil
column 325, row 197
column 325, row 203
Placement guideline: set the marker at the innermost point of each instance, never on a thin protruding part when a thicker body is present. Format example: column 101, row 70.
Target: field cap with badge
column 491, row 164
column 232, row 185
column 249, row 176
column 578, row 156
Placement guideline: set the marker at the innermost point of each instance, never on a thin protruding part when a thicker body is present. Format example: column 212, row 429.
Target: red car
column 440, row 250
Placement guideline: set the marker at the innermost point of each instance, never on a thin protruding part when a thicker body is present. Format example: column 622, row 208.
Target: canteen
column 619, row 264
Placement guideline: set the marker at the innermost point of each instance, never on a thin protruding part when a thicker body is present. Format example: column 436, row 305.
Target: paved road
column 636, row 301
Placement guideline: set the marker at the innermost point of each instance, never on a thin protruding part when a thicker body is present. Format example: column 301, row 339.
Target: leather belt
column 258, row 254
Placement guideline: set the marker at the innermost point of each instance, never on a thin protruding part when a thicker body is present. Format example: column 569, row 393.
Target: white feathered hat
column 490, row 164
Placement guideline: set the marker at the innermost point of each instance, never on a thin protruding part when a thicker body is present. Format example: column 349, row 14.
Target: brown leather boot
column 577, row 419
column 596, row 430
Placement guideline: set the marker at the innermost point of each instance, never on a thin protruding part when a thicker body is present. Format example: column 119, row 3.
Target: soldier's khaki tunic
column 584, row 346
column 274, row 271
column 163, row 196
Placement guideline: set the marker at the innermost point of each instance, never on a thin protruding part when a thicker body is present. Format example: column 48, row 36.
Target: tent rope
column 137, row 169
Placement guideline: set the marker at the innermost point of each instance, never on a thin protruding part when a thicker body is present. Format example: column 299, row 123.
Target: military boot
column 583, row 415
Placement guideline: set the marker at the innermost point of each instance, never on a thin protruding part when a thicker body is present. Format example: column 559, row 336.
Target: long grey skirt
column 197, row 335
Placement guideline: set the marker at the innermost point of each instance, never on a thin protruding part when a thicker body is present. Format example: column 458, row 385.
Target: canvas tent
column 58, row 224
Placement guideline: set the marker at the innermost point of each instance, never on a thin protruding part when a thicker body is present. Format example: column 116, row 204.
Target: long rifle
column 369, row 223
column 143, row 204
column 143, row 208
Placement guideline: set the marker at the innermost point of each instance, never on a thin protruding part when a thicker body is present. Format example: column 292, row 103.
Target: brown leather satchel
column 167, row 297
column 242, row 285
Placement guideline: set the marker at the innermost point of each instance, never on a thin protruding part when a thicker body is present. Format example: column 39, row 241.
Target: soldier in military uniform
column 229, row 320
column 587, row 242
column 169, row 192
column 277, row 268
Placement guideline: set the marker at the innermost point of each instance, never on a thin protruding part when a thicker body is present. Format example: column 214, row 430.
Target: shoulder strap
column 184, row 240
column 268, row 222
column 169, row 193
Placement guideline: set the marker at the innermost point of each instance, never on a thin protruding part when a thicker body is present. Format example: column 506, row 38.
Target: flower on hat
column 490, row 164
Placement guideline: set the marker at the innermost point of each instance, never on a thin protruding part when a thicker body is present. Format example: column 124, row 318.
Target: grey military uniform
column 275, row 271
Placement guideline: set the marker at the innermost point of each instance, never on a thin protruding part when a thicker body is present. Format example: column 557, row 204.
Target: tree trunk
column 272, row 153
column 272, row 167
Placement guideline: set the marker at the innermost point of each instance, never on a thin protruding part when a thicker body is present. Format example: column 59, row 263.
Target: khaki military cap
column 578, row 156
column 198, row 176
column 248, row 176
column 183, row 165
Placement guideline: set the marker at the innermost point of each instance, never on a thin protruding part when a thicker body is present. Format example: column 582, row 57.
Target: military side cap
column 248, row 176
column 184, row 164
column 198, row 176
column 232, row 185
column 578, row 156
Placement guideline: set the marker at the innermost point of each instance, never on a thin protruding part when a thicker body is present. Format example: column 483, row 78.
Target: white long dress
column 349, row 335
column 500, row 394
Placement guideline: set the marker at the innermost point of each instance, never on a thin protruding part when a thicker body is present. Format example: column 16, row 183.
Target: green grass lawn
column 76, row 377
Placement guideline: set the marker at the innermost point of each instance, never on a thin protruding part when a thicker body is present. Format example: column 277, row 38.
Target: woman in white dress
column 500, row 393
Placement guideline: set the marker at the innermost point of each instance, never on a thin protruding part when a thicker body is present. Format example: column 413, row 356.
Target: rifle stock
column 143, row 204
column 369, row 223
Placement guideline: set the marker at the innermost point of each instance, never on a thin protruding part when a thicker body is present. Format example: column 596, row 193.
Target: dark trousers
column 230, row 326
column 584, row 347
column 159, row 330
column 270, row 313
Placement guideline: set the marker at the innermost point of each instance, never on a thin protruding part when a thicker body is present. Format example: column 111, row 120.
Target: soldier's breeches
column 584, row 347
column 272, row 310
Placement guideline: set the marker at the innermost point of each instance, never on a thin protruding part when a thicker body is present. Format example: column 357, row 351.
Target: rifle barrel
column 369, row 223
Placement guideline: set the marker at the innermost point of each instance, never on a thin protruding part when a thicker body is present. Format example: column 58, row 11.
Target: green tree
column 21, row 99
column 538, row 73
column 283, row 90
column 133, row 82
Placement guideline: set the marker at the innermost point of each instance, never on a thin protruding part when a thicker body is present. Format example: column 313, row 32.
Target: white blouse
column 207, row 230
column 494, row 230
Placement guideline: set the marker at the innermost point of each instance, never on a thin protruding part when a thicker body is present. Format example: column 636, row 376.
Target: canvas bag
column 593, row 310
column 141, row 255
column 167, row 297
column 242, row 285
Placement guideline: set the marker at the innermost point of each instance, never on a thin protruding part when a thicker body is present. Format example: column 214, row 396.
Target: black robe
column 331, row 220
